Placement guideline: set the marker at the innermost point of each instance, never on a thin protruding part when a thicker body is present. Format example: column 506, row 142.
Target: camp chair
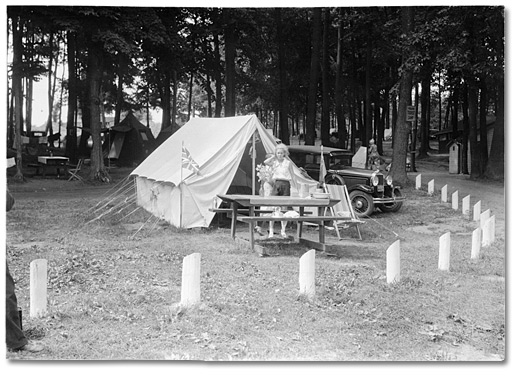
column 343, row 207
column 74, row 172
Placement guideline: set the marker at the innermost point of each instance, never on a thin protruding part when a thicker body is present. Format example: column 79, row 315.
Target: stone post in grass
column 431, row 187
column 485, row 233
column 476, row 211
column 418, row 182
column 307, row 274
column 484, row 216
column 492, row 230
column 190, row 290
column 393, row 262
column 444, row 252
column 444, row 194
column 455, row 200
column 38, row 288
column 488, row 232
column 476, row 243
column 465, row 205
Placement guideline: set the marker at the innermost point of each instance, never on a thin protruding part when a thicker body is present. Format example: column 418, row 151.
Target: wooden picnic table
column 298, row 204
column 57, row 163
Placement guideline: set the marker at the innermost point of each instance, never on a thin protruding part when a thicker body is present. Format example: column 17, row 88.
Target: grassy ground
column 113, row 291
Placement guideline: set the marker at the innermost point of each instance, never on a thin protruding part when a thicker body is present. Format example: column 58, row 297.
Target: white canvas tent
column 223, row 149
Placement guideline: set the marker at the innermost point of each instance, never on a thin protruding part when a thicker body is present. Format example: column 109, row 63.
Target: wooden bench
column 36, row 166
column 320, row 220
column 315, row 219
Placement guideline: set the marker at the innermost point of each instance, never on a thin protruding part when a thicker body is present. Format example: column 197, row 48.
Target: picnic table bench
column 299, row 204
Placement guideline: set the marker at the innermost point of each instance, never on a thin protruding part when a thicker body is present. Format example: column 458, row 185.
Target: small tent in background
column 223, row 149
column 129, row 142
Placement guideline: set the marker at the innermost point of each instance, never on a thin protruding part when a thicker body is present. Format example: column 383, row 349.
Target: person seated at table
column 281, row 177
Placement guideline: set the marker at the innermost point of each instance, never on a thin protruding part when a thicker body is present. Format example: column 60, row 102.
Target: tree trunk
column 339, row 95
column 119, row 93
column 218, row 77
column 71, row 143
column 476, row 168
column 425, row 104
column 18, row 94
column 465, row 134
column 368, row 84
column 455, row 112
column 166, row 100
column 209, row 93
column 94, row 76
column 313, row 81
column 230, row 47
column 282, row 71
column 50, row 89
column 29, row 84
column 398, row 169
column 483, row 124
column 495, row 165
column 190, row 96
column 325, row 104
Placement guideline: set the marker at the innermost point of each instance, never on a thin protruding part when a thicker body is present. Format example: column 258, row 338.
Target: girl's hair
column 282, row 147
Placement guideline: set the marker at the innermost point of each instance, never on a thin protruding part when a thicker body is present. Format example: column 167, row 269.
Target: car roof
column 316, row 149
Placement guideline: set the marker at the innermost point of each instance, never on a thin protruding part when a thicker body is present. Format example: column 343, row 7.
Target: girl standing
column 281, row 177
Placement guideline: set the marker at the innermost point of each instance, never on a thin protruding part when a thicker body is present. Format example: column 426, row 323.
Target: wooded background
column 301, row 70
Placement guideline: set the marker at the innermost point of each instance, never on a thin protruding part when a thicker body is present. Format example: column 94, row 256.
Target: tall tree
column 282, row 71
column 339, row 86
column 398, row 169
column 230, row 40
column 17, row 26
column 325, row 80
column 314, row 74
column 71, row 141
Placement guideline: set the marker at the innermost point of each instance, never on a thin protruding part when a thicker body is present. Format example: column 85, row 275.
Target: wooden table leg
column 234, row 206
column 321, row 226
column 252, row 228
column 299, row 225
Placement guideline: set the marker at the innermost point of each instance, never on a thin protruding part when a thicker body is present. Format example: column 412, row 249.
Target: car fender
column 335, row 178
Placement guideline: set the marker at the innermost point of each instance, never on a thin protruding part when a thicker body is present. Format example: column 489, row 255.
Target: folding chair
column 343, row 208
column 74, row 172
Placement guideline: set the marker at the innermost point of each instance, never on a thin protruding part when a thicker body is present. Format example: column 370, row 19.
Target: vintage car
column 368, row 189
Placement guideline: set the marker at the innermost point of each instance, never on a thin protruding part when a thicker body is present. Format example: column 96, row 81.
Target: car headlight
column 374, row 180
column 389, row 180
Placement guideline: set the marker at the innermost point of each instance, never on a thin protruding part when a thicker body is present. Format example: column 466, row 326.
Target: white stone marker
column 38, row 288
column 455, row 200
column 476, row 211
column 431, row 187
column 190, row 290
column 475, row 243
column 465, row 205
column 444, row 251
column 486, row 232
column 418, row 182
column 492, row 230
column 393, row 262
column 484, row 216
column 307, row 273
column 444, row 194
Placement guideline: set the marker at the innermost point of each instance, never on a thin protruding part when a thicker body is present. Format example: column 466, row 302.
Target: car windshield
column 340, row 161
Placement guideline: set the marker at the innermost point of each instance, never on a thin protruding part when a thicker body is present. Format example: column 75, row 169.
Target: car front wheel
column 362, row 203
column 394, row 206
